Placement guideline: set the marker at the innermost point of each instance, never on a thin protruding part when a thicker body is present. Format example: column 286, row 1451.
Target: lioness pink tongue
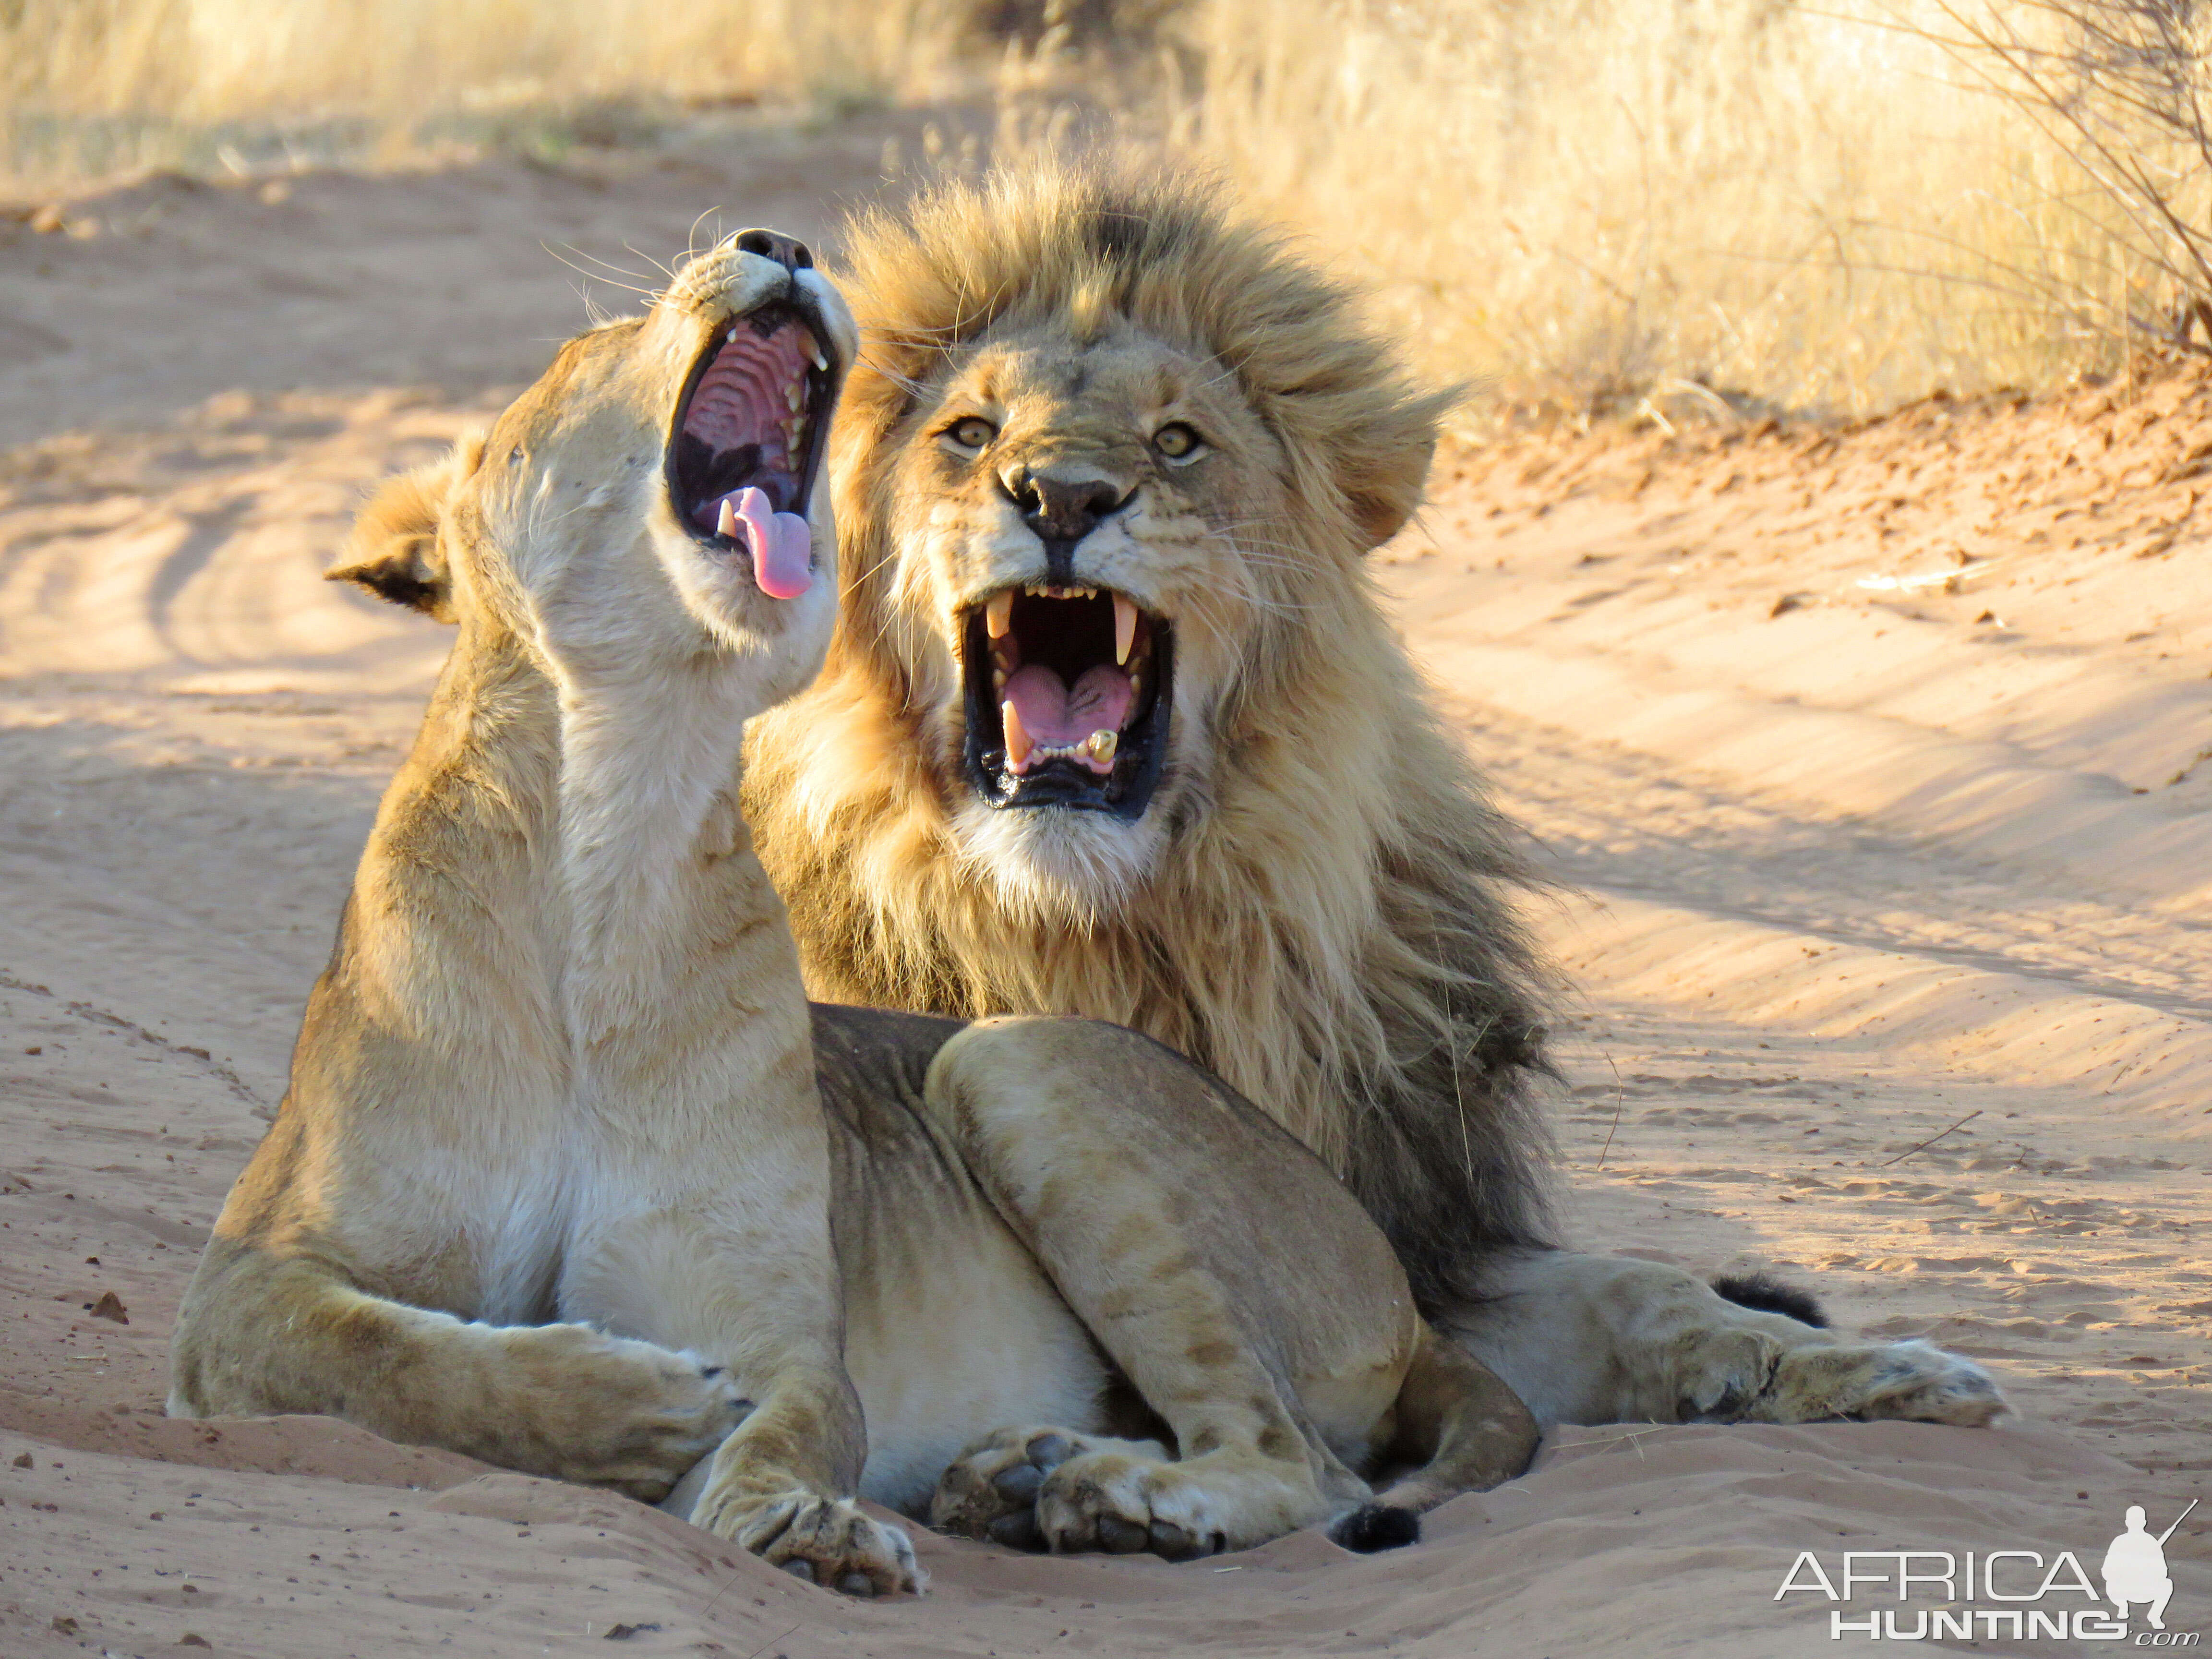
column 781, row 544
column 1054, row 715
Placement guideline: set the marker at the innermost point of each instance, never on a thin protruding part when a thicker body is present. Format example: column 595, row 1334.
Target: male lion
column 553, row 1183
column 1114, row 725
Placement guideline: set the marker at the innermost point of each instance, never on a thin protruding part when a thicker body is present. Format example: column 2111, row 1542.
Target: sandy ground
column 1841, row 865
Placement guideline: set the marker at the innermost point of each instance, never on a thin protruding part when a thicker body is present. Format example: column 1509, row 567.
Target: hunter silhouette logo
column 2024, row 1594
column 2134, row 1567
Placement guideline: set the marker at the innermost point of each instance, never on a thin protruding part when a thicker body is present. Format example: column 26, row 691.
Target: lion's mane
column 1328, row 929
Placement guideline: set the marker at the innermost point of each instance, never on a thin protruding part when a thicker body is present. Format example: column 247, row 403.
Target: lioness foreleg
column 261, row 1332
column 748, row 1278
column 1098, row 1147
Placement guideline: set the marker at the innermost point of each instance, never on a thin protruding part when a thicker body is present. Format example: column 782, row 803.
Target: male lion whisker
column 1261, row 554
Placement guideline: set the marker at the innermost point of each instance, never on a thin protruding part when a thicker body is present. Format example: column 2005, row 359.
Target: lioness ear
column 393, row 550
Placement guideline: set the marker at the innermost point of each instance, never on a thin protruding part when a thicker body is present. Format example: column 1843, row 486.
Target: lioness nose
column 786, row 251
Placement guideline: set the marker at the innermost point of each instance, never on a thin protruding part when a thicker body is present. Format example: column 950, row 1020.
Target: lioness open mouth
column 748, row 438
column 1067, row 696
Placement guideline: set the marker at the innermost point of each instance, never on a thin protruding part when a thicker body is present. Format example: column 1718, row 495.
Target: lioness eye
column 973, row 433
column 1176, row 441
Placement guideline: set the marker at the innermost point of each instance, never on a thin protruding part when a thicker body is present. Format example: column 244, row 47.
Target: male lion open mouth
column 1115, row 724
column 1066, row 689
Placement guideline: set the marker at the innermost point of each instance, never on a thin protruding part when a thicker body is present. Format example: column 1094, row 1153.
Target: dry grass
column 1608, row 205
column 1660, row 207
column 90, row 88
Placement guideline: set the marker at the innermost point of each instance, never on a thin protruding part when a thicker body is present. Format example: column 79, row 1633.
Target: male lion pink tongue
column 1052, row 713
column 781, row 544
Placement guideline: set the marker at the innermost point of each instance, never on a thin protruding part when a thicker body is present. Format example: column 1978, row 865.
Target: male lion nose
column 786, row 251
column 1063, row 511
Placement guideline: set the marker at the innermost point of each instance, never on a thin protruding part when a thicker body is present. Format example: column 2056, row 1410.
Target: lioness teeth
column 726, row 522
column 999, row 614
column 1017, row 740
column 1125, row 628
column 814, row 350
column 1101, row 744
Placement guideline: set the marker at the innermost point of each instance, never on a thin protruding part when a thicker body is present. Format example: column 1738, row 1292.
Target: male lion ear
column 393, row 550
column 1385, row 469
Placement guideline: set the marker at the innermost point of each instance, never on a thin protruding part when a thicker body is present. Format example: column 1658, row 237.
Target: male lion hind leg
column 1587, row 1338
column 1240, row 1290
column 259, row 1335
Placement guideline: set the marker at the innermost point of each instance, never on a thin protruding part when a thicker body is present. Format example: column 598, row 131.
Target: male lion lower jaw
column 1057, row 868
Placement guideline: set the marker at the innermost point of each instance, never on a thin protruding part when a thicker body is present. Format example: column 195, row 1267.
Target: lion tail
column 1459, row 1428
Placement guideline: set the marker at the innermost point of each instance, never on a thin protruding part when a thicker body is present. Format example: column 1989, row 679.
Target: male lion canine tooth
column 1125, row 628
column 999, row 613
column 1017, row 740
column 726, row 522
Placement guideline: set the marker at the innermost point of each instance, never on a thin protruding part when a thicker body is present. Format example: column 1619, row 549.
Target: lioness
column 553, row 1183
column 1114, row 725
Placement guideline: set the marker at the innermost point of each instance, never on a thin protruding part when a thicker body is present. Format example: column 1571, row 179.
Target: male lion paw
column 989, row 1491
column 830, row 1541
column 610, row 1412
column 1749, row 1377
column 1051, row 1489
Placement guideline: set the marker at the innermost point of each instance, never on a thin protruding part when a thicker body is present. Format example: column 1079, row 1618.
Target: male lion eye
column 973, row 433
column 1177, row 441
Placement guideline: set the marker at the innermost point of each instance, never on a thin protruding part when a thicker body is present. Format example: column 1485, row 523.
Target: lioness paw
column 1751, row 1377
column 612, row 1412
column 830, row 1541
